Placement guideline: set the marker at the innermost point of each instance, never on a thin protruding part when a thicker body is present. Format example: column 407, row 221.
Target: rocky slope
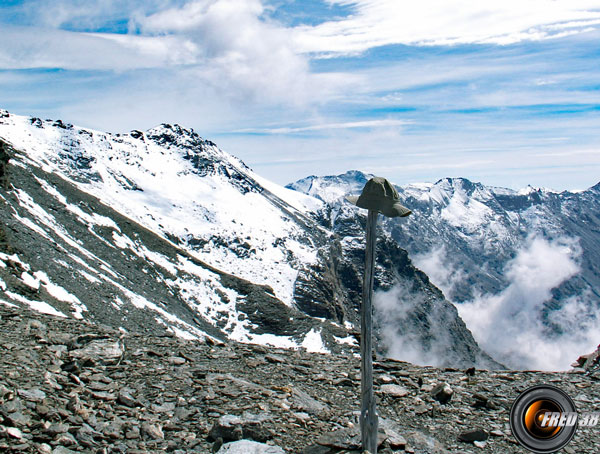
column 160, row 230
column 71, row 386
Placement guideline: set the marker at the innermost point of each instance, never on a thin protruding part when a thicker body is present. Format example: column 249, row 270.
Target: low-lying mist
column 392, row 310
column 422, row 328
column 509, row 324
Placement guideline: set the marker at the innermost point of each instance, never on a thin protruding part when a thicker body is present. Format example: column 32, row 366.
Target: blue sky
column 502, row 92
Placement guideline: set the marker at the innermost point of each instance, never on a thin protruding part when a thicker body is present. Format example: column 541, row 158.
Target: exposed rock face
column 166, row 394
column 588, row 362
column 4, row 158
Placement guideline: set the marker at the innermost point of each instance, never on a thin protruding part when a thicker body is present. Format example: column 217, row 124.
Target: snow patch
column 273, row 340
column 6, row 303
column 349, row 340
column 30, row 281
column 33, row 226
column 15, row 259
column 313, row 342
column 183, row 334
column 301, row 202
column 466, row 212
column 89, row 277
column 39, row 306
column 62, row 295
column 123, row 241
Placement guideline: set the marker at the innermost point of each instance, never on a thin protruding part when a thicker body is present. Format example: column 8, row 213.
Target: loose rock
column 142, row 402
column 473, row 435
column 442, row 393
column 393, row 390
column 249, row 447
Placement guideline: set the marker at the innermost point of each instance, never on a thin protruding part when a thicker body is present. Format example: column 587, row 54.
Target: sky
column 506, row 93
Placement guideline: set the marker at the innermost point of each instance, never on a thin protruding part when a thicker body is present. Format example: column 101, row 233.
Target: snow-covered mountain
column 161, row 230
column 523, row 265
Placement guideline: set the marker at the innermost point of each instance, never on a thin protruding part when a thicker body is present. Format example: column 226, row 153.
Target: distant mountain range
column 522, row 266
column 160, row 231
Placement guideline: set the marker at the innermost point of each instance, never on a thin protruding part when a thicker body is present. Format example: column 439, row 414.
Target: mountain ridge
column 268, row 271
column 534, row 251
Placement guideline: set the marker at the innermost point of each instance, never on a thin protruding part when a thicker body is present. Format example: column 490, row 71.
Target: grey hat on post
column 380, row 195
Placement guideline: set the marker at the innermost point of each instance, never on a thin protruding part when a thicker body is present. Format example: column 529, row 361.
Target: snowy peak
column 167, row 229
column 447, row 190
column 175, row 135
column 204, row 156
column 331, row 188
column 462, row 184
column 181, row 187
column 165, row 150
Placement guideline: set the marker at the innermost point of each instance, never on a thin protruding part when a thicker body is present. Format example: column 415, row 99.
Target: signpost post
column 368, row 413
column 378, row 196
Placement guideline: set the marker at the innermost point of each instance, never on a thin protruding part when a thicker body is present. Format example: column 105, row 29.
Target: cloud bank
column 223, row 42
column 235, row 47
column 509, row 325
column 392, row 310
column 436, row 265
column 440, row 22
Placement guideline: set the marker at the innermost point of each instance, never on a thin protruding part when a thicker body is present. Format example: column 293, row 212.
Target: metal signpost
column 378, row 196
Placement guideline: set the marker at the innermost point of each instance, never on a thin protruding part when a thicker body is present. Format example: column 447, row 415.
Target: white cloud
column 392, row 309
column 48, row 48
column 225, row 44
column 231, row 46
column 84, row 14
column 223, row 65
column 198, row 16
column 238, row 49
column 387, row 123
column 443, row 274
column 384, row 22
column 509, row 325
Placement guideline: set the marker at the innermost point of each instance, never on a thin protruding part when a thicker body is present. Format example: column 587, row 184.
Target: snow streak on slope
column 96, row 269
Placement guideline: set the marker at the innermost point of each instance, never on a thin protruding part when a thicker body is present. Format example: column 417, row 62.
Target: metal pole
column 368, row 414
